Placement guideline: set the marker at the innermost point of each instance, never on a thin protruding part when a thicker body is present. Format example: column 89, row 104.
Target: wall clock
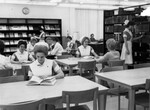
column 25, row 10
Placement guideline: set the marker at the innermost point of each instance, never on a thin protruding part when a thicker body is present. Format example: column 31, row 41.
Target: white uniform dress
column 124, row 56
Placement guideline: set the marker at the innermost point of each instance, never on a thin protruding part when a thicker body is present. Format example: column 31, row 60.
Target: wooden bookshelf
column 13, row 29
column 113, row 28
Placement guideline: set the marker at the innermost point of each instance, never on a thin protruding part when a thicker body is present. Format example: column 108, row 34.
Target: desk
column 19, row 92
column 70, row 63
column 130, row 79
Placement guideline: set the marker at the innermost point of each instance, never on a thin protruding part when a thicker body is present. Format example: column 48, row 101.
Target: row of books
column 47, row 27
column 108, row 36
column 142, row 28
column 12, row 35
column 11, row 49
column 53, row 34
column 4, row 27
column 118, row 19
column 50, row 27
column 11, row 42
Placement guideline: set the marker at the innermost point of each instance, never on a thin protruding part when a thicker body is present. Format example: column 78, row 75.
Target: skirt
column 127, row 57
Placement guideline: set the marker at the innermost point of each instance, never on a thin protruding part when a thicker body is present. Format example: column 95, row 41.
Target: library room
column 75, row 55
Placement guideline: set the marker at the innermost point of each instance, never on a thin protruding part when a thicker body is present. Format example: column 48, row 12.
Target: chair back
column 87, row 68
column 64, row 56
column 76, row 97
column 141, row 65
column 113, row 65
column 6, row 72
column 31, row 105
column 12, row 79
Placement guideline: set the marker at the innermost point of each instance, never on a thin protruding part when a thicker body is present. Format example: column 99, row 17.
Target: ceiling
column 88, row 4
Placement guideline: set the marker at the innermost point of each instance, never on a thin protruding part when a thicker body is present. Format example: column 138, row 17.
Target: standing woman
column 126, row 53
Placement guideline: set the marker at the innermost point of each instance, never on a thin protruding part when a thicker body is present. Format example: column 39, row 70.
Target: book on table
column 35, row 80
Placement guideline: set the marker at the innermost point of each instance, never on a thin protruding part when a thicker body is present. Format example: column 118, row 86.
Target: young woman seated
column 21, row 56
column 85, row 49
column 112, row 54
column 43, row 67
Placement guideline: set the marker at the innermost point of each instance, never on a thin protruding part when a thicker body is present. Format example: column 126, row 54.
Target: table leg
column 131, row 101
column 70, row 71
column 102, row 102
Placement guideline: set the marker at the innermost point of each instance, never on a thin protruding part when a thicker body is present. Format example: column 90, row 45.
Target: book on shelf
column 7, row 42
column 7, row 50
column 30, row 27
column 11, row 35
column 2, row 27
column 2, row 35
column 11, row 42
column 24, row 35
column 16, row 35
column 57, row 34
column 47, row 27
column 35, row 80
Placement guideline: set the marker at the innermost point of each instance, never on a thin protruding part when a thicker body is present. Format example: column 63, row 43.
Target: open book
column 35, row 80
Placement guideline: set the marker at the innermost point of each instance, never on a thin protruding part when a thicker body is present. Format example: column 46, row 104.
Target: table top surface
column 20, row 92
column 74, row 61
column 132, row 77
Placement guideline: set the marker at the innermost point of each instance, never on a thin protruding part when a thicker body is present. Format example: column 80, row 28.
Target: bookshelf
column 13, row 29
column 113, row 28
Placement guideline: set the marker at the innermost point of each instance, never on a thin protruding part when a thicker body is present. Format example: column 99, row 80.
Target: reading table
column 19, row 92
column 130, row 79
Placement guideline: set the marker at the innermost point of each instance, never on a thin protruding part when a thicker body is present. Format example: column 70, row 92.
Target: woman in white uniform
column 126, row 53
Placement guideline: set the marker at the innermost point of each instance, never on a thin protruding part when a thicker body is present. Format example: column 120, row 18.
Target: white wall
column 70, row 17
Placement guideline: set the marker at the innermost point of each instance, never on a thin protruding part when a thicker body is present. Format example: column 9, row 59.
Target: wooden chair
column 12, row 79
column 64, row 68
column 87, row 69
column 31, row 105
column 6, row 72
column 76, row 97
column 114, row 65
column 143, row 98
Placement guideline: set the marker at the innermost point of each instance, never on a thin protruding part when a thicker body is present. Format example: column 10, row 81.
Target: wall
column 70, row 17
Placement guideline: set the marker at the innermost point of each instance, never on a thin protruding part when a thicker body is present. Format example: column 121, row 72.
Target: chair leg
column 118, row 102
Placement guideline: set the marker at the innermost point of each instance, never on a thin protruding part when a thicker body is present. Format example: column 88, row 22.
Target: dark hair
column 85, row 38
column 41, row 49
column 2, row 46
column 92, row 34
column 20, row 42
column 130, row 23
column 69, row 37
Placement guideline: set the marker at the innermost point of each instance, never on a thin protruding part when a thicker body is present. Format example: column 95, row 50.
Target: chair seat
column 80, row 107
column 117, row 91
column 142, row 99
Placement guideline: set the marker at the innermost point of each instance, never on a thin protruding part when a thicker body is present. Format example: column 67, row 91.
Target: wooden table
column 130, row 79
column 20, row 92
column 70, row 63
